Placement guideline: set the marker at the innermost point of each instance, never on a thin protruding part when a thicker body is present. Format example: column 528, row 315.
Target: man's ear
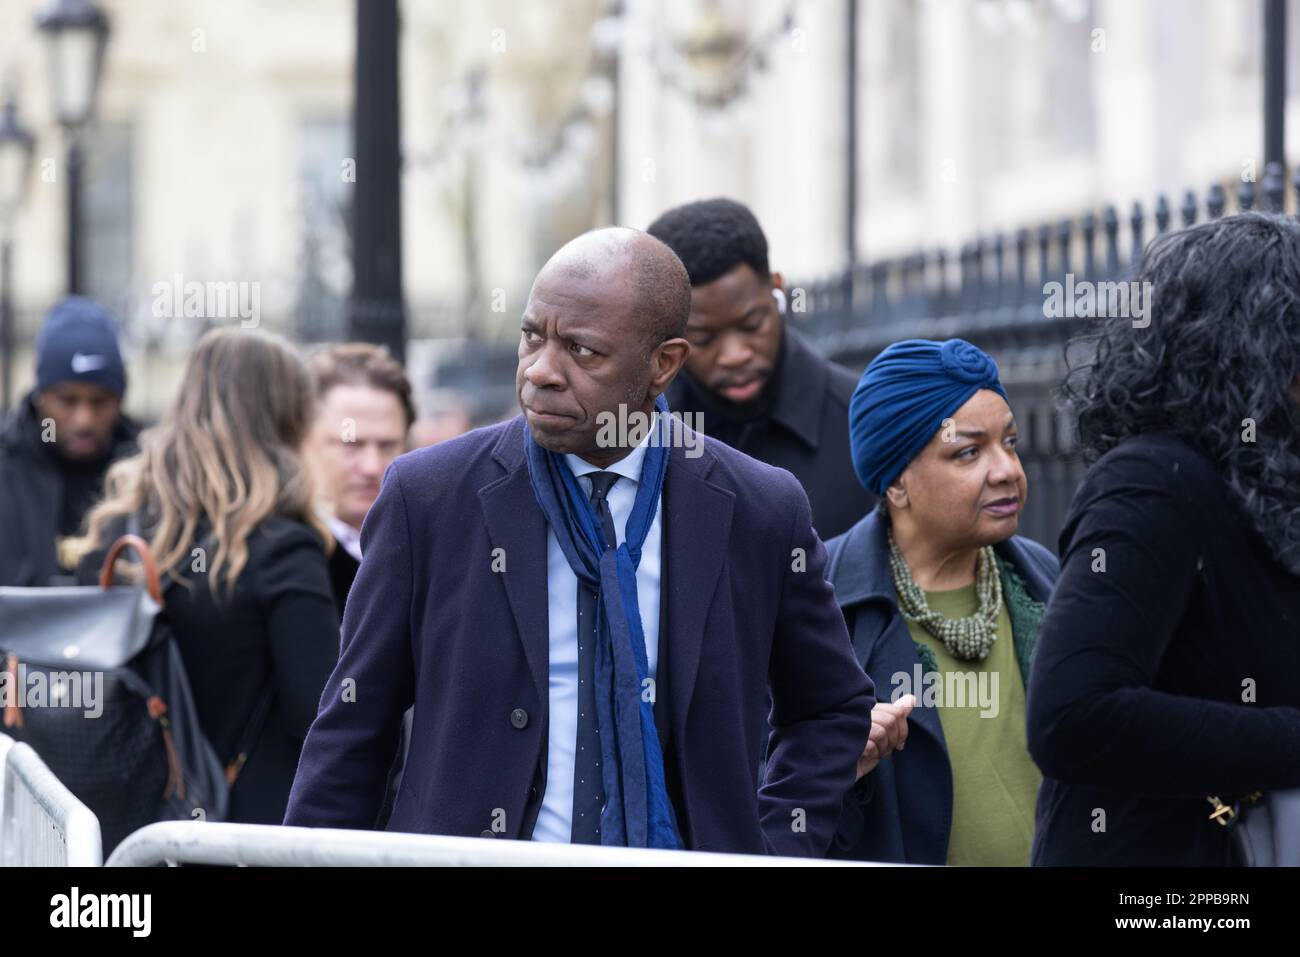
column 665, row 362
column 778, row 281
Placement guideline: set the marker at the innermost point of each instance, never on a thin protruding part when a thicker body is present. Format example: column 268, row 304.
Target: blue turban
column 903, row 398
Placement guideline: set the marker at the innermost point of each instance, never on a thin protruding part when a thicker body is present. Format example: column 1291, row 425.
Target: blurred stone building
column 222, row 139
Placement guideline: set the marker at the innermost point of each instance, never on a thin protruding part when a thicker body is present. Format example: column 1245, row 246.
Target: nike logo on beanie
column 86, row 363
column 78, row 341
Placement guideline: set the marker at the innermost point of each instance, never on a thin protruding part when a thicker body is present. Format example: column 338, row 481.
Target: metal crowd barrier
column 42, row 824
column 265, row 845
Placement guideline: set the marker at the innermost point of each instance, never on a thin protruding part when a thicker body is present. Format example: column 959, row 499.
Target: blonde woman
column 220, row 493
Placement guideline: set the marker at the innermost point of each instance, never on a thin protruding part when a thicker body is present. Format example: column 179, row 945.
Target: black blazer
column 1165, row 678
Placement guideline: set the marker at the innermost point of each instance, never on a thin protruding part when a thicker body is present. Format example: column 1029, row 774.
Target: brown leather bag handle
column 152, row 581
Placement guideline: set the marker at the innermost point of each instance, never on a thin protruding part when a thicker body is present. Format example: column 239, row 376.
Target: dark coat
column 805, row 432
column 280, row 630
column 1138, row 705
column 901, row 812
column 31, row 497
column 430, row 622
column 343, row 571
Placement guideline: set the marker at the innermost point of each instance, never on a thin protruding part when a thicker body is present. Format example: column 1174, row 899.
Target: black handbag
column 1265, row 827
column 93, row 680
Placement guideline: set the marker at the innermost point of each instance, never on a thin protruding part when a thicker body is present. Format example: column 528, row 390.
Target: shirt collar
column 348, row 537
column 629, row 466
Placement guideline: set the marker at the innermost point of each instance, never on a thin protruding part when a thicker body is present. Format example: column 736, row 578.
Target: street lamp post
column 851, row 150
column 614, row 26
column 1274, row 101
column 375, row 309
column 76, row 32
column 16, row 148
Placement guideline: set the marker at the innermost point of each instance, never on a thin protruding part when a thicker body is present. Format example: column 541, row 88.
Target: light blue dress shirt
column 555, row 817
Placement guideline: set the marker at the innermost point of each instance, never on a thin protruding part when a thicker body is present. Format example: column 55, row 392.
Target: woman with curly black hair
column 1167, row 664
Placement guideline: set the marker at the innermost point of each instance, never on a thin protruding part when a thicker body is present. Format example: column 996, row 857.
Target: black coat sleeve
column 1093, row 714
column 297, row 603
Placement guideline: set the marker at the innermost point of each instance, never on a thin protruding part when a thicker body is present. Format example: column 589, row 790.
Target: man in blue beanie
column 56, row 446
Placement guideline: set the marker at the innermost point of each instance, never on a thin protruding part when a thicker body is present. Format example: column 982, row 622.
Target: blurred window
column 325, row 266
column 107, row 238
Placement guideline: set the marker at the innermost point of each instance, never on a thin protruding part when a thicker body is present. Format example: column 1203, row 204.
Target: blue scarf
column 637, row 810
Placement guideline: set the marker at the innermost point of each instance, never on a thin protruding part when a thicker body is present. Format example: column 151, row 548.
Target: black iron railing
column 992, row 292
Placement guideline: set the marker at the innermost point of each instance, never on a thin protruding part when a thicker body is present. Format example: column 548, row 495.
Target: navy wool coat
column 449, row 613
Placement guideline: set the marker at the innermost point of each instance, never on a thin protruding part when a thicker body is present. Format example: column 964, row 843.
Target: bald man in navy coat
column 461, row 610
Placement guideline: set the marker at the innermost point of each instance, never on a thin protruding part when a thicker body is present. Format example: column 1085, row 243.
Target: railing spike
column 1245, row 196
column 1162, row 213
column 1274, row 187
column 1088, row 226
column 1110, row 224
column 1135, row 221
column 1215, row 200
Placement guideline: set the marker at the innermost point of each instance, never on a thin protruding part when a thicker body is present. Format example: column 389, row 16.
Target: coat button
column 487, row 834
column 532, row 793
column 519, row 717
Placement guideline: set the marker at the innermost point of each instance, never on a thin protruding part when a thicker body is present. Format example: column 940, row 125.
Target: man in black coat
column 362, row 425
column 57, row 445
column 757, row 384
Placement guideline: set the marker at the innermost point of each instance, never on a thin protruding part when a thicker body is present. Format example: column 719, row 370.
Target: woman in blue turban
column 943, row 600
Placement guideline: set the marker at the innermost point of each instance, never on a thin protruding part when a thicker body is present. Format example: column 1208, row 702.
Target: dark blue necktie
column 588, row 794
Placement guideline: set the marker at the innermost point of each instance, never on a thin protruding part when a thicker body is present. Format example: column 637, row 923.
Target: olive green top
column 982, row 711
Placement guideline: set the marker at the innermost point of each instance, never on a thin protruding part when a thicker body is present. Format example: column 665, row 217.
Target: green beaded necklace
column 969, row 638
